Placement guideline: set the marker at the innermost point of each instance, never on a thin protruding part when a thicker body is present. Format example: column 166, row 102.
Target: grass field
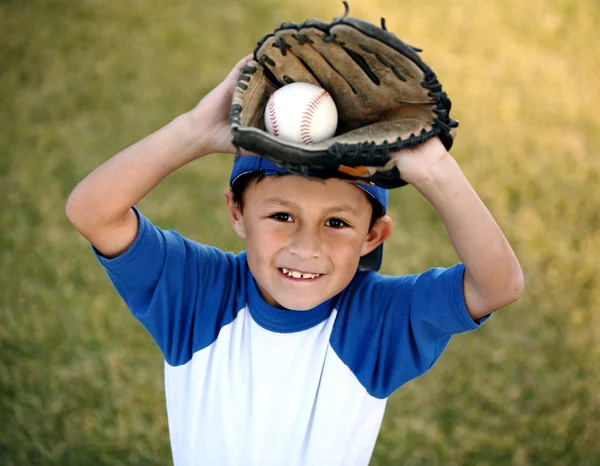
column 81, row 381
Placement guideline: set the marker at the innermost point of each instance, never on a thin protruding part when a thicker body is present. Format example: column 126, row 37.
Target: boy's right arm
column 100, row 206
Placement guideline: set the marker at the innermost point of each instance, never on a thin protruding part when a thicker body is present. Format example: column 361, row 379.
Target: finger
column 237, row 69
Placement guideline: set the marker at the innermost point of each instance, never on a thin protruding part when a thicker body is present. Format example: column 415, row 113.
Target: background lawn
column 81, row 381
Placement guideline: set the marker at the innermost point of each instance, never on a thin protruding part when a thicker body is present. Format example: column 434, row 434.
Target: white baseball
column 302, row 113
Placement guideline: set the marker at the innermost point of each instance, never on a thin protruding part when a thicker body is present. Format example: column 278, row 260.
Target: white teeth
column 296, row 274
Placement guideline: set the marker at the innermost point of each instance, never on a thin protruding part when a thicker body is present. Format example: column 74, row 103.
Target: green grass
column 81, row 381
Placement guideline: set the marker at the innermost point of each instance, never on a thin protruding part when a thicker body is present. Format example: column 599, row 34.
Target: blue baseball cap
column 247, row 164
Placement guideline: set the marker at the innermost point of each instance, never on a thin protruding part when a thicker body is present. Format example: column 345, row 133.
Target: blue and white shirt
column 251, row 384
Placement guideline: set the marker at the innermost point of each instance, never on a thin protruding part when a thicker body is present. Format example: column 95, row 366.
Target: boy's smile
column 296, row 275
column 304, row 239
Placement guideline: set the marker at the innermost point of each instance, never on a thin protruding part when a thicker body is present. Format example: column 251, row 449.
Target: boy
column 286, row 353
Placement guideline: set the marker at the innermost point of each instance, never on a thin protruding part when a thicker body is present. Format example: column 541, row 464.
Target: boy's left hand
column 420, row 163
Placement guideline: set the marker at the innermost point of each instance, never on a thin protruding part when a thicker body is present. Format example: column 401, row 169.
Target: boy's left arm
column 493, row 278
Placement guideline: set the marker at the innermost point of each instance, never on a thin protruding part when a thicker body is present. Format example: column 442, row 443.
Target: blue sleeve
column 182, row 292
column 390, row 330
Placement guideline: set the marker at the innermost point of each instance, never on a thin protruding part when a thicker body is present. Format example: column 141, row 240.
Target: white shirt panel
column 259, row 398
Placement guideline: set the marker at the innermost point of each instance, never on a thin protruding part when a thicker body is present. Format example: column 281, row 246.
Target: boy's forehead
column 294, row 187
column 247, row 165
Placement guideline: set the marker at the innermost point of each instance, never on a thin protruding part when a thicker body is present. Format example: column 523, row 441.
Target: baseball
column 301, row 113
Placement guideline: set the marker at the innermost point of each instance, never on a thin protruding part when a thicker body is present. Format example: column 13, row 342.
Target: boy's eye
column 336, row 223
column 282, row 217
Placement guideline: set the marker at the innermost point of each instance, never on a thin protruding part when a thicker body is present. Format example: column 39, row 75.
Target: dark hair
column 242, row 182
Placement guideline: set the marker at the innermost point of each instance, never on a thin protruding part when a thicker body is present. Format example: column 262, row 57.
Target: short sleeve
column 181, row 291
column 390, row 330
column 438, row 301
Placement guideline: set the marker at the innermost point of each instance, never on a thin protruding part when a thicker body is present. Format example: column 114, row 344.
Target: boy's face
column 304, row 238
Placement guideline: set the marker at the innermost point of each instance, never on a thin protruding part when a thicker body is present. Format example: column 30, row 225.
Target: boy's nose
column 305, row 244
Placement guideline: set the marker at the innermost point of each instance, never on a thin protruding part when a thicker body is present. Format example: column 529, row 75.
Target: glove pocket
column 250, row 97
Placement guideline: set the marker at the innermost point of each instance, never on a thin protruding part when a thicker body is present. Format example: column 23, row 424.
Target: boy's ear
column 235, row 214
column 380, row 231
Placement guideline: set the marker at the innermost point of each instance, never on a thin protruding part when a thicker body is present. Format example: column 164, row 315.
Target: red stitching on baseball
column 272, row 117
column 307, row 116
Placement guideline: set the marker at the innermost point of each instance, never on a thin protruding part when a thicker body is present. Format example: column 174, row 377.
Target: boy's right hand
column 100, row 206
column 210, row 118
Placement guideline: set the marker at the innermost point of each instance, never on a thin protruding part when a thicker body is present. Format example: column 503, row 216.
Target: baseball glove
column 386, row 96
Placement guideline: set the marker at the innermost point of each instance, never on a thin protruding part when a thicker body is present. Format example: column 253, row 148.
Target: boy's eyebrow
column 279, row 201
column 343, row 208
column 339, row 208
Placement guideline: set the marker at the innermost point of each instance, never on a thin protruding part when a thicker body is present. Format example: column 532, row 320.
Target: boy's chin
column 299, row 303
